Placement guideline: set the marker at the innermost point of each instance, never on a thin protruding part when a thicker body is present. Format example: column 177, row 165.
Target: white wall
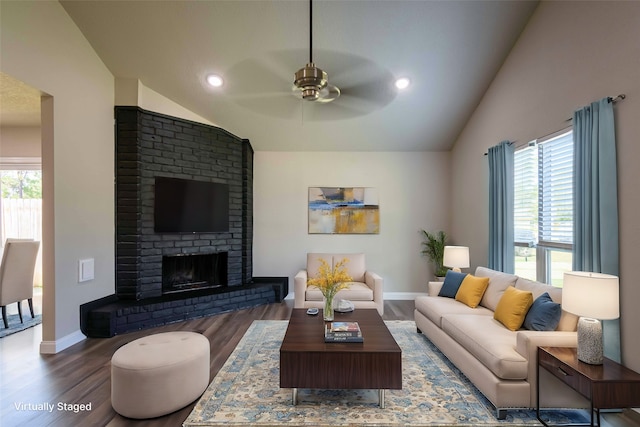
column 570, row 54
column 413, row 194
column 134, row 92
column 41, row 46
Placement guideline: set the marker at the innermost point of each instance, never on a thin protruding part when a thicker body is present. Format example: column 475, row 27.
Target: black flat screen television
column 189, row 206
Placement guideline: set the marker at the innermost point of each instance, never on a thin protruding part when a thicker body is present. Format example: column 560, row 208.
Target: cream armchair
column 365, row 291
column 16, row 275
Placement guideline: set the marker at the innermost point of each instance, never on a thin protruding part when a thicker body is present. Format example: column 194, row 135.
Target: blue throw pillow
column 544, row 314
column 452, row 282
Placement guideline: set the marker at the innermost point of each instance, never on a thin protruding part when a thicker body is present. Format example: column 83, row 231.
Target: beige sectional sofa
column 501, row 363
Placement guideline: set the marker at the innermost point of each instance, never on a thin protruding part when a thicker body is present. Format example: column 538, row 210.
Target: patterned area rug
column 16, row 326
column 435, row 393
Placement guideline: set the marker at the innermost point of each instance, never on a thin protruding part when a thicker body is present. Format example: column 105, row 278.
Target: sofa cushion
column 544, row 314
column 568, row 321
column 513, row 308
column 357, row 291
column 498, row 282
column 452, row 282
column 471, row 290
column 313, row 263
column 434, row 307
column 489, row 342
column 355, row 266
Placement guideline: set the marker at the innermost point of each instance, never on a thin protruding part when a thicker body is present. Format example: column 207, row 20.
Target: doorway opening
column 21, row 215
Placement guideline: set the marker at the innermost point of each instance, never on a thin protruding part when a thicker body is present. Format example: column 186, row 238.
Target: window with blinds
column 543, row 193
column 526, row 196
column 555, row 195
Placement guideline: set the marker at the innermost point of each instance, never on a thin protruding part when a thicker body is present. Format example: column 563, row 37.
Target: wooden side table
column 606, row 386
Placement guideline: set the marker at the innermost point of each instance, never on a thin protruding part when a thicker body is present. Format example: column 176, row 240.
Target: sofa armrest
column 299, row 288
column 527, row 343
column 376, row 283
column 433, row 288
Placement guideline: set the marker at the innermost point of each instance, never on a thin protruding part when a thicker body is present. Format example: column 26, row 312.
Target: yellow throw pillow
column 513, row 307
column 471, row 290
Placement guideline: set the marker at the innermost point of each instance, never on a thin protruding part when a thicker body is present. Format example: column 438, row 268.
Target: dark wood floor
column 81, row 373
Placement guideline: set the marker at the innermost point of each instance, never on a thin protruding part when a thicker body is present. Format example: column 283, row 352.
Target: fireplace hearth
column 188, row 272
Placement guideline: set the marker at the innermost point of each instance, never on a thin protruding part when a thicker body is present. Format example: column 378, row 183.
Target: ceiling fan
column 365, row 86
column 310, row 82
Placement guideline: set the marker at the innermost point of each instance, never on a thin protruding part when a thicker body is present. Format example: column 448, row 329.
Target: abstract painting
column 343, row 210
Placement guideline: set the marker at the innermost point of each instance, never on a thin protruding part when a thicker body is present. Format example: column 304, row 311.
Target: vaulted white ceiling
column 451, row 50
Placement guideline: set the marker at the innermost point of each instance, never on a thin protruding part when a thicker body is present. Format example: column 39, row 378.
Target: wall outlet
column 85, row 270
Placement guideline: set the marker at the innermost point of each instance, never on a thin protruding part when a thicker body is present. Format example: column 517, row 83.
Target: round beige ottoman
column 159, row 374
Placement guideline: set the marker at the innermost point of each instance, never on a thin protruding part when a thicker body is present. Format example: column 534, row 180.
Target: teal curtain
column 501, row 239
column 595, row 228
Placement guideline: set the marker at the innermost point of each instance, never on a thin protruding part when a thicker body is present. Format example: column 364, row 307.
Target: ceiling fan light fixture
column 311, row 80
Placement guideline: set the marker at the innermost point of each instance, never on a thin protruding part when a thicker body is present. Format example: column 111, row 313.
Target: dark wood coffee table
column 306, row 361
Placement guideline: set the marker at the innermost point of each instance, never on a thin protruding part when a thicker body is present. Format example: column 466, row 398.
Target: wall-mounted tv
column 189, row 206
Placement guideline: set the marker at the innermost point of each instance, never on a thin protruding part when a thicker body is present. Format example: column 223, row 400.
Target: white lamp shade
column 456, row 256
column 593, row 295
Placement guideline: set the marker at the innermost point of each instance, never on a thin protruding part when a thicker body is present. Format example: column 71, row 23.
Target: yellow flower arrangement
column 329, row 281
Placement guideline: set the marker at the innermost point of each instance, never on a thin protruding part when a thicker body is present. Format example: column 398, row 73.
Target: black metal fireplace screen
column 189, row 272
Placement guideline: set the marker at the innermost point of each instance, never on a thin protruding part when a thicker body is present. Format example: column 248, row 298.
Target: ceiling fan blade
column 328, row 94
column 317, row 112
column 255, row 85
column 280, row 105
column 376, row 92
column 253, row 76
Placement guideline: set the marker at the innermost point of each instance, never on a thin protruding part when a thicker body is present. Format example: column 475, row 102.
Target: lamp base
column 456, row 269
column 590, row 348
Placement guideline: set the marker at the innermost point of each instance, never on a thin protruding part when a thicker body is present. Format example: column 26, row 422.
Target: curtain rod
column 612, row 100
column 617, row 98
column 509, row 143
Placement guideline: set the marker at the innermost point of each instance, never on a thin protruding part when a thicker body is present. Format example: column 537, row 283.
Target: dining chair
column 16, row 275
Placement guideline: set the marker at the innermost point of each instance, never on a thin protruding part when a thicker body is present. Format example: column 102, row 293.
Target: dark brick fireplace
column 150, row 145
column 212, row 271
column 188, row 272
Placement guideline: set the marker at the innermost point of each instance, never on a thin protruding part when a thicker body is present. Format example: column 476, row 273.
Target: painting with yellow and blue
column 343, row 210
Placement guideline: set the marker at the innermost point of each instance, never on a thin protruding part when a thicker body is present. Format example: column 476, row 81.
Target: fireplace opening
column 181, row 273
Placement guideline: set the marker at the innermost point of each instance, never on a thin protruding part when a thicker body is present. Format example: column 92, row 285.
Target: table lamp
column 594, row 297
column 456, row 257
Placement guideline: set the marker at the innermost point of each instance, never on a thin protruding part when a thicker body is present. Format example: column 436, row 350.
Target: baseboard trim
column 403, row 296
column 53, row 347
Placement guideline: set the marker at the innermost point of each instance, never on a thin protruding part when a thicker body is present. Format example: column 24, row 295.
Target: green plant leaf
column 433, row 248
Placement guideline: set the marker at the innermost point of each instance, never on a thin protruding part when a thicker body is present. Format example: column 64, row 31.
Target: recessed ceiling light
column 403, row 83
column 214, row 80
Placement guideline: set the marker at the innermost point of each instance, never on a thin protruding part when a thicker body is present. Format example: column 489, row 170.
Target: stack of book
column 342, row 332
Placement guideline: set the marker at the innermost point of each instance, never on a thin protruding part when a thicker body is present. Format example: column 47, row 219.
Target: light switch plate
column 85, row 270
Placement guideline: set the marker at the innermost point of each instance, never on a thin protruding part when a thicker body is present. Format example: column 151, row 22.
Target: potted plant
column 433, row 248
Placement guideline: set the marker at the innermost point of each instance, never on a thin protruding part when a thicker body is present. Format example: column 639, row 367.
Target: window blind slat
column 543, row 205
column 555, row 179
